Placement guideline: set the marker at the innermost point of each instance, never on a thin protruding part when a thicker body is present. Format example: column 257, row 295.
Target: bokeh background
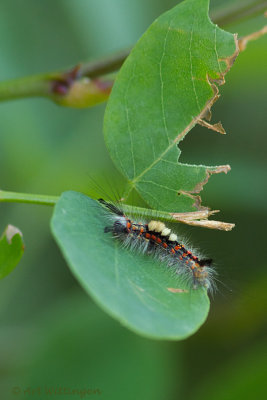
column 51, row 334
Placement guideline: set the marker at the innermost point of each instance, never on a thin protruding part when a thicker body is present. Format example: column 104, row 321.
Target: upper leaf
column 165, row 87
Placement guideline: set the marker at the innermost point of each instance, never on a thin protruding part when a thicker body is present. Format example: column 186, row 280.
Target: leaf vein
column 162, row 86
column 215, row 47
column 191, row 65
column 161, row 186
column 128, row 119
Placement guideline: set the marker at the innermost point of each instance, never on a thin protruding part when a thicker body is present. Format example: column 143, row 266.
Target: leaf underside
column 140, row 292
column 166, row 86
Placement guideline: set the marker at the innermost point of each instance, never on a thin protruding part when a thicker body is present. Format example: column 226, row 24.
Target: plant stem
column 28, row 198
column 28, row 86
column 105, row 65
column 236, row 13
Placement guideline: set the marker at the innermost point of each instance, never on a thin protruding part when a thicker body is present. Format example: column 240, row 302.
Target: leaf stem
column 28, row 198
column 190, row 218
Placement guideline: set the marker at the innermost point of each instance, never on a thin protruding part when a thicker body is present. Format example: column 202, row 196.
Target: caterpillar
column 155, row 238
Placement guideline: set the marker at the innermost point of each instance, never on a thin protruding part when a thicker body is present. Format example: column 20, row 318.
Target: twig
column 236, row 13
column 27, row 198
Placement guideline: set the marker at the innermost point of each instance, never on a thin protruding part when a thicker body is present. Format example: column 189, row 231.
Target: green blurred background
column 51, row 334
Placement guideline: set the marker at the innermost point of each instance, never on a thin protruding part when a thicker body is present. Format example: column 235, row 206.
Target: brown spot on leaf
column 177, row 290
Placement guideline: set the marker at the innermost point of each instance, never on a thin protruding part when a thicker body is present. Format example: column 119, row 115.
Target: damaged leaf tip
column 11, row 250
column 167, row 85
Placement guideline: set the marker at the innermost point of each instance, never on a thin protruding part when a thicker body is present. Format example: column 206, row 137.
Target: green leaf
column 11, row 250
column 166, row 86
column 137, row 290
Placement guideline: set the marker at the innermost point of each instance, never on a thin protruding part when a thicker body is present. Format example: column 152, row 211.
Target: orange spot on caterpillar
column 180, row 257
column 184, row 254
column 165, row 245
column 159, row 240
column 153, row 237
column 173, row 251
column 177, row 247
column 148, row 235
column 142, row 230
column 129, row 225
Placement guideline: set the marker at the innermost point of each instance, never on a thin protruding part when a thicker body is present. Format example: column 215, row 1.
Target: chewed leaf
column 11, row 250
column 166, row 86
column 137, row 290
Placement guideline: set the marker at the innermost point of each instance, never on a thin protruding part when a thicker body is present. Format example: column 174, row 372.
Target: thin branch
column 235, row 13
column 13, row 197
column 105, row 65
column 67, row 88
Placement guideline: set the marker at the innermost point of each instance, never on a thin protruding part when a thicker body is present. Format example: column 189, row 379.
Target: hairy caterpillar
column 155, row 238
